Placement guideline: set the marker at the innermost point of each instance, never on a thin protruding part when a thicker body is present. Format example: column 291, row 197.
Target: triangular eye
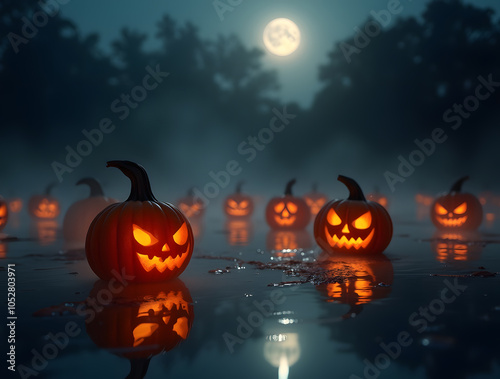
column 291, row 207
column 181, row 235
column 440, row 210
column 364, row 221
column 333, row 218
column 143, row 237
column 461, row 209
column 278, row 208
column 232, row 203
column 244, row 204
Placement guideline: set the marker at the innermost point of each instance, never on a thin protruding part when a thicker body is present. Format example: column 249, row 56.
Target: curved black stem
column 94, row 185
column 48, row 189
column 140, row 187
column 457, row 186
column 289, row 185
column 355, row 192
column 238, row 186
column 138, row 368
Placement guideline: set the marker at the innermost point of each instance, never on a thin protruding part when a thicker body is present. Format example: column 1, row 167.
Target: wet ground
column 258, row 304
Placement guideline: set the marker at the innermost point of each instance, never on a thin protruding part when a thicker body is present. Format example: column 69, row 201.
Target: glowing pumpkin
column 80, row 214
column 315, row 200
column 239, row 231
column 238, row 204
column 353, row 226
column 377, row 197
column 15, row 205
column 284, row 242
column 44, row 206
column 191, row 206
column 457, row 246
column 4, row 213
column 366, row 279
column 3, row 250
column 457, row 210
column 288, row 211
column 142, row 237
column 142, row 320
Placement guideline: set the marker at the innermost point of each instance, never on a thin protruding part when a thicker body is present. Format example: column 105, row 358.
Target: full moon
column 281, row 37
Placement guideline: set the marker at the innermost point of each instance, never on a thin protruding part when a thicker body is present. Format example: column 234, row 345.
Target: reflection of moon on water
column 281, row 36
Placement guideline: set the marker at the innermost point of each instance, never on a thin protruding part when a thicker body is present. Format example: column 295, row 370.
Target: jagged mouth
column 161, row 264
column 285, row 221
column 344, row 242
column 452, row 222
column 237, row 212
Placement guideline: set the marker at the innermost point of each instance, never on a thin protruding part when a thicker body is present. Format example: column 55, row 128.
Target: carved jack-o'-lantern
column 377, row 197
column 288, row 211
column 315, row 200
column 238, row 204
column 353, row 226
column 286, row 242
column 142, row 320
column 44, row 206
column 191, row 206
column 142, row 237
column 81, row 213
column 15, row 204
column 457, row 210
column 457, row 246
column 4, row 213
column 366, row 279
column 239, row 231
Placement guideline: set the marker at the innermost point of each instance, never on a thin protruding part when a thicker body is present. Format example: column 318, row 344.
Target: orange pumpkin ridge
column 288, row 211
column 151, row 241
column 353, row 226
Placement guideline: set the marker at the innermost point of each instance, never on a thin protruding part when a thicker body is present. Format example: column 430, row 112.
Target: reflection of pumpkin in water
column 457, row 246
column 45, row 231
column 239, row 231
column 286, row 242
column 143, row 320
column 366, row 279
column 3, row 250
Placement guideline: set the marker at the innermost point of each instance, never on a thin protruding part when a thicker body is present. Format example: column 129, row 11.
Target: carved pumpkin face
column 238, row 204
column 15, row 205
column 4, row 213
column 44, row 206
column 148, row 319
column 315, row 200
column 287, row 212
column 239, row 232
column 456, row 210
column 354, row 226
column 142, row 237
column 191, row 206
column 457, row 246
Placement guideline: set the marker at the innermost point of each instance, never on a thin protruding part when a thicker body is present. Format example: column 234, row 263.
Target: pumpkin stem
column 238, row 186
column 95, row 186
column 457, row 187
column 138, row 368
column 288, row 188
column 140, row 189
column 48, row 189
column 355, row 192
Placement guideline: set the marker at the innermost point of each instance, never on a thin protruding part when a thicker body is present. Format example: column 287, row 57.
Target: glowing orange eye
column 364, row 221
column 278, row 208
column 440, row 210
column 232, row 203
column 461, row 209
column 333, row 218
column 180, row 236
column 291, row 207
column 143, row 237
column 244, row 204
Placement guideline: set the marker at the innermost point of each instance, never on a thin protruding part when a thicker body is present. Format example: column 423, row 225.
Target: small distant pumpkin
column 353, row 226
column 287, row 211
column 144, row 238
column 44, row 206
column 315, row 200
column 81, row 213
column 4, row 213
column 457, row 210
column 238, row 204
column 377, row 197
column 15, row 204
column 191, row 206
